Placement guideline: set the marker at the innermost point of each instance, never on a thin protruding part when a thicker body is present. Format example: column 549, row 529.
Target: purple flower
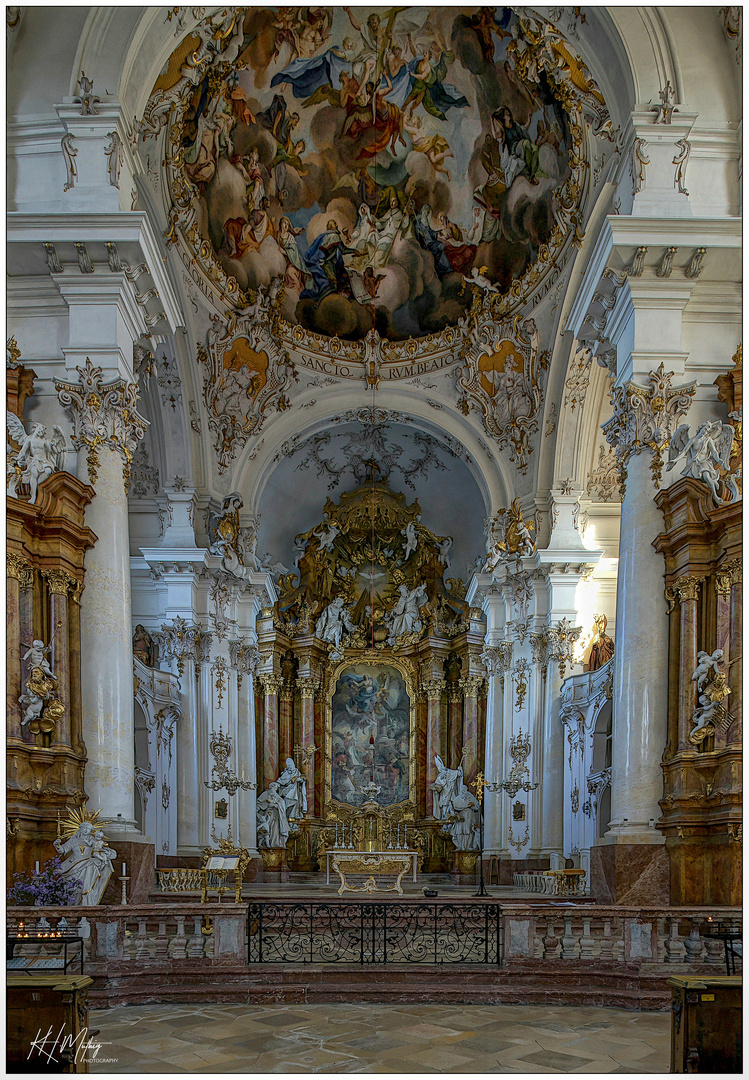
column 48, row 888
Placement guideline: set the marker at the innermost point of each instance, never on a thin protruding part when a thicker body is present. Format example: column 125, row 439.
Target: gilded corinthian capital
column 104, row 414
column 645, row 418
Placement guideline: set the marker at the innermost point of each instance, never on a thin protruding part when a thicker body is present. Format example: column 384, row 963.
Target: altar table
column 387, row 863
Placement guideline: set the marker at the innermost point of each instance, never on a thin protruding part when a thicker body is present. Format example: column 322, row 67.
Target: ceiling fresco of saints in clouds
column 373, row 158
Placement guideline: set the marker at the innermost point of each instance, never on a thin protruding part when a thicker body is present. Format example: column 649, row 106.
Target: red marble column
column 319, row 758
column 433, row 690
column 272, row 685
column 58, row 584
column 285, row 723
column 470, row 685
column 735, row 647
column 454, row 724
column 307, row 688
column 687, row 589
column 16, row 567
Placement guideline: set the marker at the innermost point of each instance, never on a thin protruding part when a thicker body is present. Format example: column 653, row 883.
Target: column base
column 630, row 873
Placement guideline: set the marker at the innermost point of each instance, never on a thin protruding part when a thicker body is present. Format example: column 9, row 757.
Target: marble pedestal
column 140, row 859
column 629, row 874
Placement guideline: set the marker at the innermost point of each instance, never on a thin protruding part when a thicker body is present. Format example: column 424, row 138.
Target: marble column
column 59, row 584
column 106, row 430
column 497, row 660
column 686, row 589
column 735, row 677
column 185, row 646
column 286, row 723
column 454, row 721
column 433, row 689
column 16, row 568
column 246, row 799
column 308, row 686
column 272, row 685
column 644, row 420
column 470, row 685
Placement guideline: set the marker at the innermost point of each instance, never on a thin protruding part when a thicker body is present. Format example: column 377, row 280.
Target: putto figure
column 37, row 459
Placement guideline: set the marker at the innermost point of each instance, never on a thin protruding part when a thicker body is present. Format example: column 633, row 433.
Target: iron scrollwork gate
column 371, row 933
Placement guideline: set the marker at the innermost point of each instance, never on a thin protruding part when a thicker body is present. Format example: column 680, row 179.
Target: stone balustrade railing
column 551, row 882
column 159, row 933
column 614, row 934
column 161, row 937
column 535, row 881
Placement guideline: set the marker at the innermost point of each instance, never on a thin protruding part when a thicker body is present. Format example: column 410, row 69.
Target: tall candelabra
column 480, row 785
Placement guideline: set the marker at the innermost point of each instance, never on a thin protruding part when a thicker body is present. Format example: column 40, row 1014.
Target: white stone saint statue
column 292, row 788
column 404, row 617
column 89, row 859
column 454, row 804
column 334, row 622
column 272, row 822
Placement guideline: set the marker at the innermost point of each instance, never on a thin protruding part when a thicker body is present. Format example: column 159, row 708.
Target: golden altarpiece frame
column 417, row 630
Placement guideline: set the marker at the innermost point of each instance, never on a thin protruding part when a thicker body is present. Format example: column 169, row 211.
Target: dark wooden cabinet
column 50, row 1011
column 706, row 1024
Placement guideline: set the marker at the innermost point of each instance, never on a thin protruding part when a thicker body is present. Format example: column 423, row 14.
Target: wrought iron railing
column 369, row 933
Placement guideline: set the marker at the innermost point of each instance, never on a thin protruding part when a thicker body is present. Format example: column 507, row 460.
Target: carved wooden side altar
column 702, row 803
column 46, row 544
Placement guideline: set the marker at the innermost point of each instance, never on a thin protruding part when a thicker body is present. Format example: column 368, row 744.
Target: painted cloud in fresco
column 373, row 157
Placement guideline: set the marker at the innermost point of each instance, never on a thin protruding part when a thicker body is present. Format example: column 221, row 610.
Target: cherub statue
column 412, row 539
column 37, row 654
column 518, row 540
column 224, row 528
column 707, row 456
column 38, row 457
column 444, row 551
column 39, row 690
column 706, row 663
column 326, row 534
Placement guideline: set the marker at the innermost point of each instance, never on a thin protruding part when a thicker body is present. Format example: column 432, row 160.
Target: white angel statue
column 707, row 455
column 38, row 457
column 707, row 667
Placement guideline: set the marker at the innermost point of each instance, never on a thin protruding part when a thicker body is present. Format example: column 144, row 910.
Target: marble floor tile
column 381, row 1038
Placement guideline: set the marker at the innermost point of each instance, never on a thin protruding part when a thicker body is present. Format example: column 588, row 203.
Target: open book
column 218, row 862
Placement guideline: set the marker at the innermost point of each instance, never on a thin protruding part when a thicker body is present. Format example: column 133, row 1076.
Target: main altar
column 371, row 679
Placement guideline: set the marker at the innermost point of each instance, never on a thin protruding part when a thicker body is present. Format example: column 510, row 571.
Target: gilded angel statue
column 38, row 457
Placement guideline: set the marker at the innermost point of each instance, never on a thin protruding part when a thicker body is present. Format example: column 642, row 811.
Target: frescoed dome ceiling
column 376, row 161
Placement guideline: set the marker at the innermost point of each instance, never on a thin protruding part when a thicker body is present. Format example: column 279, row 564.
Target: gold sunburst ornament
column 70, row 826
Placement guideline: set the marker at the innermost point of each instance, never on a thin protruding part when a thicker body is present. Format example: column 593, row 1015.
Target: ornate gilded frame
column 375, row 658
